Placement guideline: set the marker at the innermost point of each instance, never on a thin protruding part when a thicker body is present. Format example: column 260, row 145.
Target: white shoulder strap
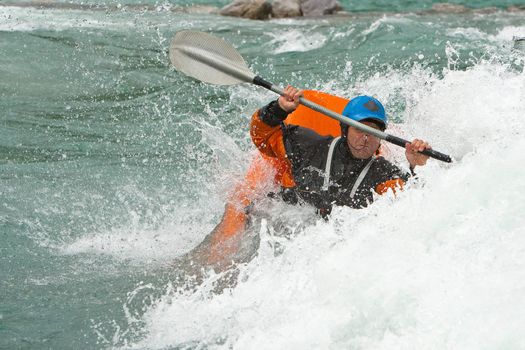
column 361, row 177
column 328, row 167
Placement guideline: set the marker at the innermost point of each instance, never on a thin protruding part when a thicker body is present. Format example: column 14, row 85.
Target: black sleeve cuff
column 272, row 114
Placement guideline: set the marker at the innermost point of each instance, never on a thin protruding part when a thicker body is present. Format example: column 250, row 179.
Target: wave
column 437, row 266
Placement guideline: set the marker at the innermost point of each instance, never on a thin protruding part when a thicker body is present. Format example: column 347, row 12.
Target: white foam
column 469, row 32
column 142, row 242
column 296, row 40
column 387, row 21
column 507, row 33
column 503, row 35
column 440, row 266
column 141, row 246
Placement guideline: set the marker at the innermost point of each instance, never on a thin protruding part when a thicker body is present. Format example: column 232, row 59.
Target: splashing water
column 113, row 165
column 437, row 266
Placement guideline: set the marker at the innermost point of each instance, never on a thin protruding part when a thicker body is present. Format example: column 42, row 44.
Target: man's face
column 362, row 145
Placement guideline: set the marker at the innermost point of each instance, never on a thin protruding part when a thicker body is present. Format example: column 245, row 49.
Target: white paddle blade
column 208, row 59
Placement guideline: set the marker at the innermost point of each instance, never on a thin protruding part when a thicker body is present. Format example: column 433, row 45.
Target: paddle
column 212, row 60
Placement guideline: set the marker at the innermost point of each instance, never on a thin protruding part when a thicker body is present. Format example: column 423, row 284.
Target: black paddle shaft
column 257, row 80
column 429, row 152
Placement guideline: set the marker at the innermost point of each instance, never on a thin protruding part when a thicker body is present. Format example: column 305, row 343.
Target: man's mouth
column 362, row 147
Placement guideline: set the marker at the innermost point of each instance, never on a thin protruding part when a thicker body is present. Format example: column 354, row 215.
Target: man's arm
column 392, row 178
column 265, row 127
column 414, row 158
column 394, row 184
column 266, row 131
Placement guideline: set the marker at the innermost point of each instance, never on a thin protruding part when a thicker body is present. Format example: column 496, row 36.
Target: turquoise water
column 113, row 165
column 348, row 5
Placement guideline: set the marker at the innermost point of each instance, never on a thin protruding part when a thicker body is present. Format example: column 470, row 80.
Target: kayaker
column 324, row 171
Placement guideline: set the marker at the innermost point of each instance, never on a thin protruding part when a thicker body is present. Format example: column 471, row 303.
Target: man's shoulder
column 305, row 136
column 305, row 147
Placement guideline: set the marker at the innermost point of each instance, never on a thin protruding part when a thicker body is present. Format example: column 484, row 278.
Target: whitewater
column 114, row 165
column 438, row 266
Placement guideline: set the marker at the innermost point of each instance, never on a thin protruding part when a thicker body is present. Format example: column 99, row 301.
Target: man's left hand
column 412, row 152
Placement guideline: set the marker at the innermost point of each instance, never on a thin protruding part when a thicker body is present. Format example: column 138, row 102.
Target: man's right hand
column 290, row 100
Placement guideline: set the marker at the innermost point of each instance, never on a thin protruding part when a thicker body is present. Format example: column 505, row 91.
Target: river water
column 112, row 165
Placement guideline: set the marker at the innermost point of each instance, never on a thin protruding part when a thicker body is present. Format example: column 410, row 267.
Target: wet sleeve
column 395, row 179
column 291, row 144
column 394, row 185
column 272, row 114
column 266, row 130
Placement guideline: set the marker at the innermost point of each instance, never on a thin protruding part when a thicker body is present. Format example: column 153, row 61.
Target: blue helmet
column 363, row 108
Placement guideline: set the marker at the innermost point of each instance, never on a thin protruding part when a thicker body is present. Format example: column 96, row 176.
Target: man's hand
column 290, row 100
column 413, row 155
